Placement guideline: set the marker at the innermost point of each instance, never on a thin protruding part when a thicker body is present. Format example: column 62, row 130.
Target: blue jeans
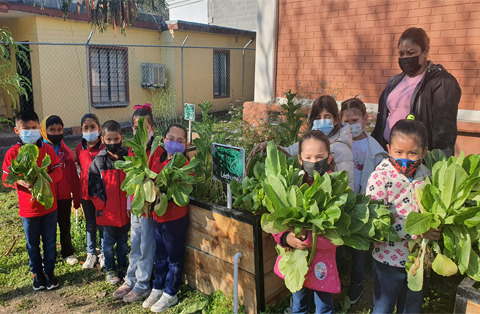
column 358, row 266
column 302, row 301
column 169, row 254
column 119, row 236
column 142, row 253
column 91, row 226
column 390, row 290
column 46, row 227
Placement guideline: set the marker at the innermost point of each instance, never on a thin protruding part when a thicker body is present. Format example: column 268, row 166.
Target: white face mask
column 356, row 129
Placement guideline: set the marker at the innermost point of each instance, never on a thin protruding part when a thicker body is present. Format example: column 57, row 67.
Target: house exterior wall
column 198, row 68
column 233, row 13
column 59, row 73
column 351, row 45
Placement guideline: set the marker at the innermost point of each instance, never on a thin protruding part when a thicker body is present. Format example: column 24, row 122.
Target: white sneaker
column 90, row 261
column 152, row 298
column 71, row 260
column 166, row 301
column 101, row 260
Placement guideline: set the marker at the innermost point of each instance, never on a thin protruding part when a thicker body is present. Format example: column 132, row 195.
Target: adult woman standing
column 423, row 89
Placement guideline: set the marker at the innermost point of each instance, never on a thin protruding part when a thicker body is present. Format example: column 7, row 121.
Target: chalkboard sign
column 228, row 162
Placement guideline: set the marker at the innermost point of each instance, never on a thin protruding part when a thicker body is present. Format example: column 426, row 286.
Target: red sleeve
column 73, row 175
column 54, row 169
column 278, row 237
column 7, row 161
column 77, row 153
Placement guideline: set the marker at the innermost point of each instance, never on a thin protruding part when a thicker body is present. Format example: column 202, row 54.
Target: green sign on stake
column 189, row 112
column 228, row 162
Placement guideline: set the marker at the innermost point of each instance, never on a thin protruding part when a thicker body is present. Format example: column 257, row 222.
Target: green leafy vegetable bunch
column 24, row 167
column 174, row 182
column 139, row 180
column 450, row 201
column 328, row 207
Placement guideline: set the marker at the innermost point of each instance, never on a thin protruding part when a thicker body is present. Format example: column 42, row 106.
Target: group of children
column 336, row 141
column 154, row 240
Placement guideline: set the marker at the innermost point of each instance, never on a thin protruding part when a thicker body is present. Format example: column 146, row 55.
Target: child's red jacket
column 84, row 157
column 174, row 211
column 69, row 186
column 104, row 182
column 29, row 208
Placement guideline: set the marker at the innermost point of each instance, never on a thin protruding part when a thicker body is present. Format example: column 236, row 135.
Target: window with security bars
column 221, row 73
column 109, row 76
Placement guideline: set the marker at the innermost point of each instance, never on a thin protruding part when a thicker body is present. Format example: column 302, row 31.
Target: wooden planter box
column 214, row 236
column 468, row 297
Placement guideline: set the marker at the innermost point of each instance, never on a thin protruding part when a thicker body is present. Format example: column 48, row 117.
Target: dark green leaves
column 24, row 167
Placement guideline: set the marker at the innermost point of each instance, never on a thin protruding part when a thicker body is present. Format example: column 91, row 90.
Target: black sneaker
column 38, row 282
column 354, row 293
column 52, row 281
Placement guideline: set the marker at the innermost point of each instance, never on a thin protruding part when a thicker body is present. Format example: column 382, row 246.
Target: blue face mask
column 324, row 125
column 90, row 136
column 30, row 136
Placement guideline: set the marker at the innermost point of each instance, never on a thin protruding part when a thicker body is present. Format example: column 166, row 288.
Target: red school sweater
column 69, row 186
column 29, row 208
column 84, row 156
column 174, row 211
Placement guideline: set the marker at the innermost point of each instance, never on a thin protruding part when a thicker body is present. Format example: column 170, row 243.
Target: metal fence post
column 183, row 44
column 88, row 72
column 243, row 66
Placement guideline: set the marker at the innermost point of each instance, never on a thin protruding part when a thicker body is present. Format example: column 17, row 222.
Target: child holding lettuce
column 322, row 278
column 37, row 220
column 394, row 182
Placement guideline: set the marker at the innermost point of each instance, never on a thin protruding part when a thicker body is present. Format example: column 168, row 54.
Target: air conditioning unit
column 153, row 75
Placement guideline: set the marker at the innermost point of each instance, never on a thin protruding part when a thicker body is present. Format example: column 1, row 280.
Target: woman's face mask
column 324, row 125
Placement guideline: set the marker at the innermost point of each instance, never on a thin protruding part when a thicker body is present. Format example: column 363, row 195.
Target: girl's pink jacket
column 322, row 273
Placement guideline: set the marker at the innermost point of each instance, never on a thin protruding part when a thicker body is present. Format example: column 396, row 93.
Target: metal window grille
column 221, row 73
column 109, row 76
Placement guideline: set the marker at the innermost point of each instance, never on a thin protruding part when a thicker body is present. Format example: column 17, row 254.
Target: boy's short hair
column 26, row 116
column 111, row 126
column 53, row 119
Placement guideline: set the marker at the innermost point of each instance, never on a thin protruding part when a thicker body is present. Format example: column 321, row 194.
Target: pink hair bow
column 146, row 106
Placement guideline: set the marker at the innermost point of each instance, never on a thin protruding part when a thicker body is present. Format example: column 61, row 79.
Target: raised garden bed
column 215, row 234
column 468, row 297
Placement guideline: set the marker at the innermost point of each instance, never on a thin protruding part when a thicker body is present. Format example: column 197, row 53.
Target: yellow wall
column 59, row 74
column 198, row 68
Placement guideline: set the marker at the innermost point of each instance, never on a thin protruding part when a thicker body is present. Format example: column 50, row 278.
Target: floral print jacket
column 397, row 192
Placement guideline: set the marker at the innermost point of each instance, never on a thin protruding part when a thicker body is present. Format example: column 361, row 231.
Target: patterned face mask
column 405, row 166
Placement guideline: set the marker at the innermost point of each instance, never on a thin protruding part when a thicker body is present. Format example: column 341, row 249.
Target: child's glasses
column 172, row 139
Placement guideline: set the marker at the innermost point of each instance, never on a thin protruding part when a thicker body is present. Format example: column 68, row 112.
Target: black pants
column 64, row 213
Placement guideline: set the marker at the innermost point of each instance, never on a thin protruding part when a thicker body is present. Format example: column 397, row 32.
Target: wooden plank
column 221, row 237
column 274, row 288
column 269, row 252
column 208, row 273
column 472, row 308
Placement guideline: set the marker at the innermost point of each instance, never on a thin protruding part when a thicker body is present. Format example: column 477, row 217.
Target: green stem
column 314, row 245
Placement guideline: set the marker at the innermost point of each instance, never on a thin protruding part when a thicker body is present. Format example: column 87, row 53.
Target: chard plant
column 139, row 180
column 24, row 167
column 328, row 207
column 450, row 201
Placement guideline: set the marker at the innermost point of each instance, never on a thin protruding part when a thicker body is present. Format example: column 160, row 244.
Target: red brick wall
column 350, row 45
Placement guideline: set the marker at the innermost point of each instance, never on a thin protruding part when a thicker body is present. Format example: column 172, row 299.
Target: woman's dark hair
column 91, row 116
column 319, row 136
column 176, row 125
column 53, row 119
column 330, row 105
column 353, row 103
column 409, row 128
column 417, row 36
column 142, row 112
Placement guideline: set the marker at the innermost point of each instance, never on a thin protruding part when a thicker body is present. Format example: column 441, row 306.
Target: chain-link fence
column 70, row 80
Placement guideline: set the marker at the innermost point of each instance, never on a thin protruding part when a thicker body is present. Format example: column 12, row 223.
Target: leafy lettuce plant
column 24, row 167
column 328, row 207
column 174, row 182
column 450, row 200
column 139, row 180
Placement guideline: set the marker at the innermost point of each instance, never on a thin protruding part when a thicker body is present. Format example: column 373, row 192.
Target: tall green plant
column 206, row 188
column 290, row 127
column 164, row 107
column 11, row 82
